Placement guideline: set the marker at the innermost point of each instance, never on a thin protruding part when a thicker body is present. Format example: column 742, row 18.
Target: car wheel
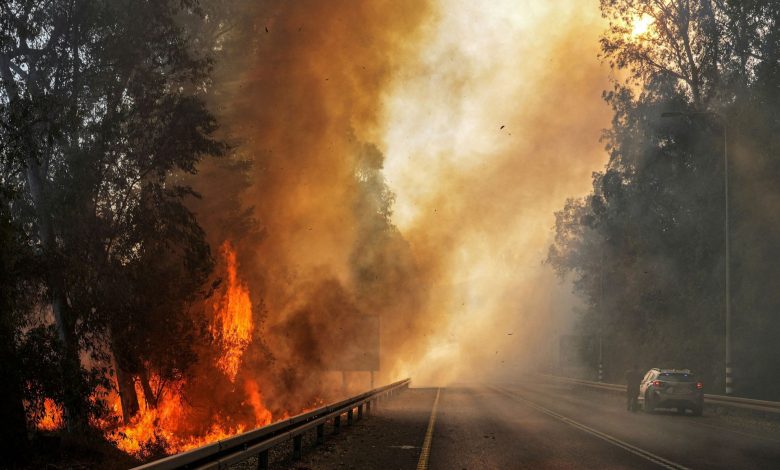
column 648, row 404
column 680, row 411
column 697, row 411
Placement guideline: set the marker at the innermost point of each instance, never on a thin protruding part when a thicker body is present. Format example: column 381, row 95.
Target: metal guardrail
column 717, row 400
column 227, row 452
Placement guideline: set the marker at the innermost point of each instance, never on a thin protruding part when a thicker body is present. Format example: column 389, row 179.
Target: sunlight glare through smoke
column 479, row 158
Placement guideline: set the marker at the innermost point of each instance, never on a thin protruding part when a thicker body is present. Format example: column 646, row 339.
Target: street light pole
column 729, row 383
column 602, row 315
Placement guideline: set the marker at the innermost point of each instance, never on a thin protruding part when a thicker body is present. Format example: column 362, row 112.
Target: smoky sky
column 479, row 118
column 492, row 126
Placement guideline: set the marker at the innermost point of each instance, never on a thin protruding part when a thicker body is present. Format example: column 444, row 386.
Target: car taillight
column 657, row 383
column 699, row 385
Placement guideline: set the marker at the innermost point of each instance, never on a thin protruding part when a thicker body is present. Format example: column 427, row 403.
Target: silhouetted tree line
column 645, row 249
column 102, row 117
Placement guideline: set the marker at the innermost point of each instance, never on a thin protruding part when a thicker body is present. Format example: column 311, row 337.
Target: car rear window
column 676, row 377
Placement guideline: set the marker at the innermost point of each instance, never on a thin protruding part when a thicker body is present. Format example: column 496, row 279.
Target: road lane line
column 647, row 455
column 735, row 431
column 422, row 464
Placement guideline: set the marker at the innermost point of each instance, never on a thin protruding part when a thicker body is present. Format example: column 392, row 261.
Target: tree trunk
column 74, row 405
column 125, row 381
column 149, row 396
column 70, row 367
column 127, row 394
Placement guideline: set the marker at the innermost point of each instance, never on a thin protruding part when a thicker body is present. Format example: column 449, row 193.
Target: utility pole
column 601, row 320
column 727, row 234
column 729, row 383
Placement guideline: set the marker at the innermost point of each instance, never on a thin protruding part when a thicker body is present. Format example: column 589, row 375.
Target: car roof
column 671, row 371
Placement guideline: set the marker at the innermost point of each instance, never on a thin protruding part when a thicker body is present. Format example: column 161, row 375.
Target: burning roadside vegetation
column 178, row 276
column 213, row 401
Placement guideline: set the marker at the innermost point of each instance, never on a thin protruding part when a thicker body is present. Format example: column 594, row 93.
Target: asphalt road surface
column 544, row 426
column 555, row 426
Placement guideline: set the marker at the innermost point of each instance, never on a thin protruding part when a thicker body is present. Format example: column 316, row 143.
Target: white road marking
column 422, row 464
column 741, row 433
column 647, row 455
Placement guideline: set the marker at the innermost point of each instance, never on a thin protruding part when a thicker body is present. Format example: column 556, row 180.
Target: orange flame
column 52, row 416
column 262, row 414
column 161, row 428
column 167, row 427
column 232, row 323
column 176, row 424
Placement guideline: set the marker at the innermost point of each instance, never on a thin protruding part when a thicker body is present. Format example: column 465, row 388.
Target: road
column 548, row 426
column 553, row 426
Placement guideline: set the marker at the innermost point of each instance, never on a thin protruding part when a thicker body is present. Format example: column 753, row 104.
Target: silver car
column 671, row 388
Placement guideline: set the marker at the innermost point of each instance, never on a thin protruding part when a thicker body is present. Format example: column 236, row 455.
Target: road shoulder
column 391, row 438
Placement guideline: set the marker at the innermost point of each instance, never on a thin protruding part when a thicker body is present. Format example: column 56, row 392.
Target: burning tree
column 133, row 326
column 102, row 112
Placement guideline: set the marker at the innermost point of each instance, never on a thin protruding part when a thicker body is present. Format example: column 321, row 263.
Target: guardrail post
column 262, row 460
column 360, row 412
column 729, row 382
column 321, row 433
column 336, row 424
column 349, row 417
column 297, row 445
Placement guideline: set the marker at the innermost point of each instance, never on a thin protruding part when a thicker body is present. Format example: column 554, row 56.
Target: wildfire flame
column 159, row 428
column 172, row 423
column 166, row 427
column 52, row 416
column 232, row 323
column 262, row 414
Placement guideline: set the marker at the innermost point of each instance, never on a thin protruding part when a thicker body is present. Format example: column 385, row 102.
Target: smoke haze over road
column 480, row 120
column 488, row 129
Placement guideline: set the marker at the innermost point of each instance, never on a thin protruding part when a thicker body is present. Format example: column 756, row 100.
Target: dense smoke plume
column 487, row 134
column 488, row 118
column 303, row 199
column 390, row 163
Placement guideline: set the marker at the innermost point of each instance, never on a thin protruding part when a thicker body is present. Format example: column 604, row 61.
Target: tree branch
column 18, row 70
column 8, row 79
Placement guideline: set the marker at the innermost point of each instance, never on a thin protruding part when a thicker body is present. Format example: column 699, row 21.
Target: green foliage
column 102, row 113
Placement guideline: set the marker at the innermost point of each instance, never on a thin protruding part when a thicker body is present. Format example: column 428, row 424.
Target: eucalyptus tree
column 103, row 111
